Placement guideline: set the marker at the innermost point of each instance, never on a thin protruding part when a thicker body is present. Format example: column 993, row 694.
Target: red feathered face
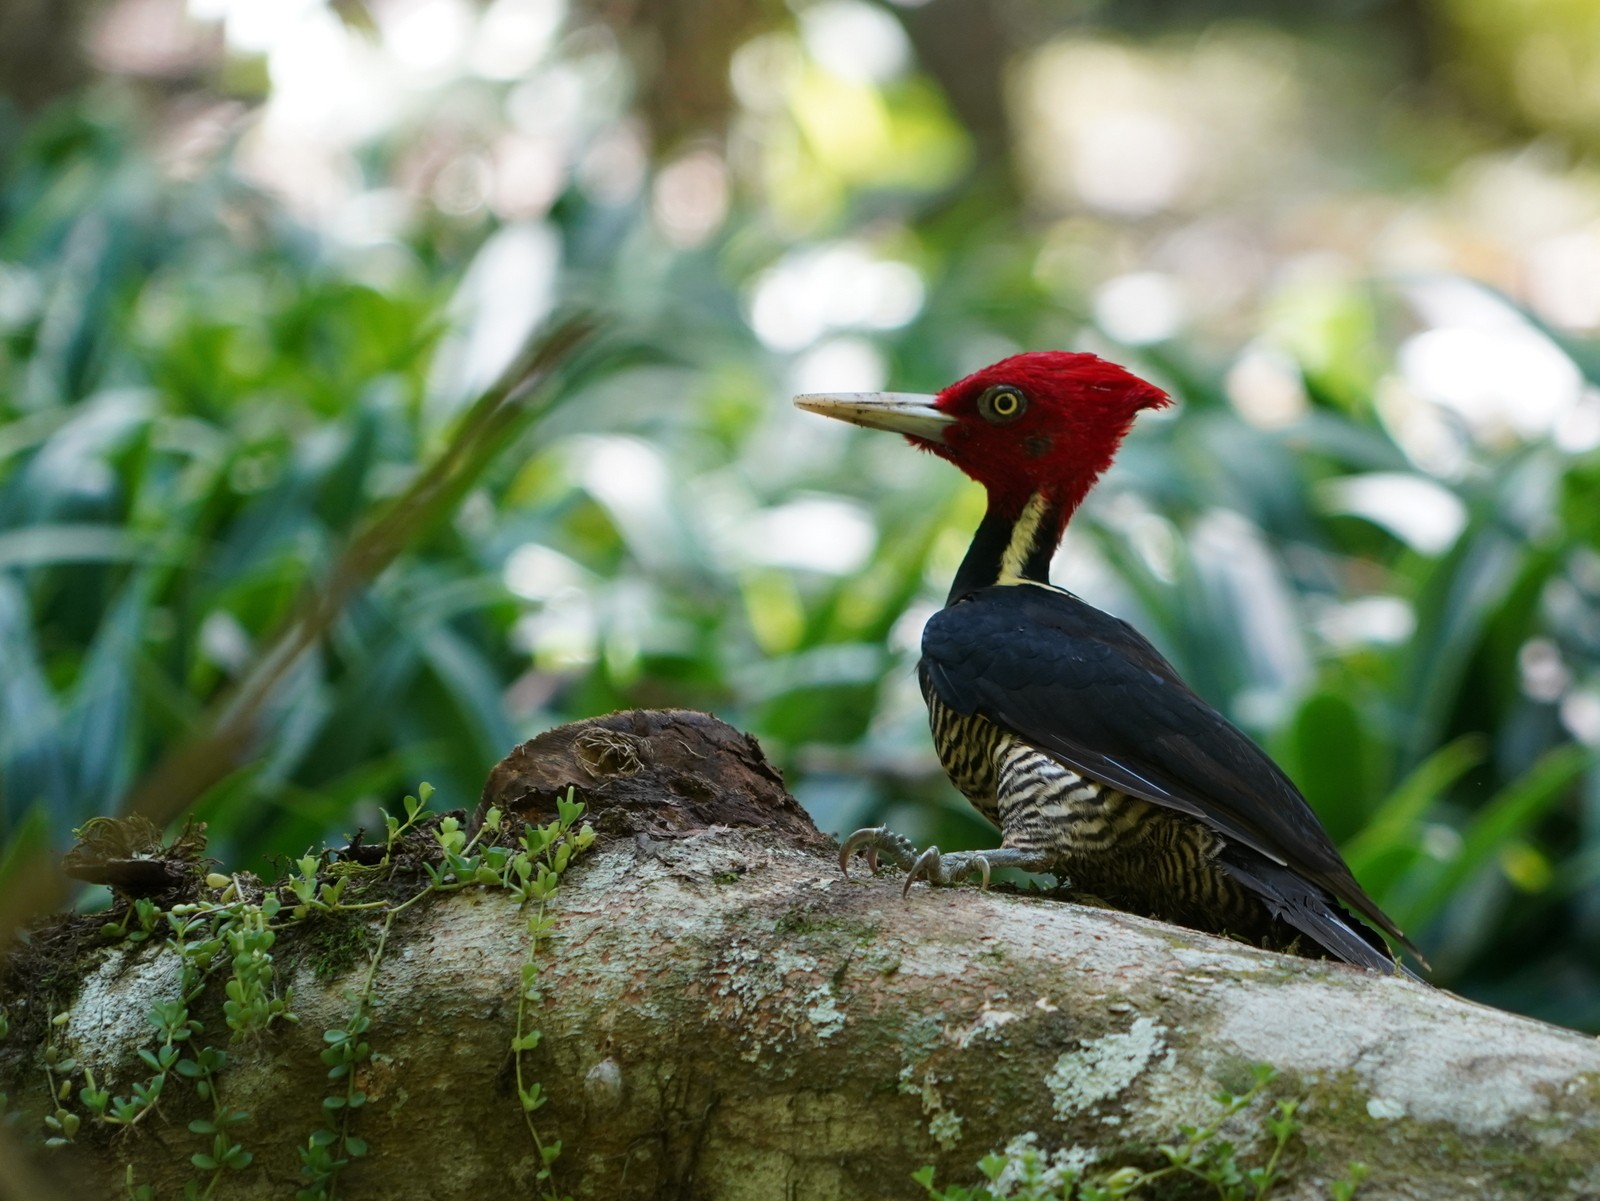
column 1047, row 420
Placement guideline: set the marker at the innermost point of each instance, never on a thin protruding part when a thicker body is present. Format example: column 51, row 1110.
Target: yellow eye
column 1002, row 403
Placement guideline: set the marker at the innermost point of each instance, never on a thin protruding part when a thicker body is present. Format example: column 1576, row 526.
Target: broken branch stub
column 661, row 773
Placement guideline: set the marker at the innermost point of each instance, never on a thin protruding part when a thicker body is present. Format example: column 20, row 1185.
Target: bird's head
column 1047, row 421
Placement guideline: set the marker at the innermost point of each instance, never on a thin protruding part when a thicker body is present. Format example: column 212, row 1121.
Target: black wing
column 1090, row 690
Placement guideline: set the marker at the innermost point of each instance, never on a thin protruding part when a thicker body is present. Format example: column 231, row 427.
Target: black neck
column 1011, row 548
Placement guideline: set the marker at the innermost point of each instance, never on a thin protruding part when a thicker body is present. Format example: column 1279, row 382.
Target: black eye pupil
column 1006, row 402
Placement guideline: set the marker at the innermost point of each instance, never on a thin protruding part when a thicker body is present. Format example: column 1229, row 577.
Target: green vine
column 207, row 937
column 234, row 935
column 331, row 1147
column 530, row 872
column 537, row 868
column 1023, row 1172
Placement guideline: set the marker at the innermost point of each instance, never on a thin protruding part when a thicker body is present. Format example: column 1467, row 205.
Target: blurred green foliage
column 204, row 394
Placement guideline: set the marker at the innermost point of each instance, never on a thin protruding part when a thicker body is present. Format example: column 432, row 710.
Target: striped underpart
column 1117, row 849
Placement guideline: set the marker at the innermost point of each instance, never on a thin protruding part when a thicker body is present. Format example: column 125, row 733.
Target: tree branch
column 724, row 1016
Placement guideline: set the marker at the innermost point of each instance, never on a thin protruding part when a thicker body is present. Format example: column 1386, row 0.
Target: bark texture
column 725, row 1016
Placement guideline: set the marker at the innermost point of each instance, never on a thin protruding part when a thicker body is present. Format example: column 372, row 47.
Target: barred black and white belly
column 1037, row 801
column 1044, row 804
column 967, row 749
column 1119, row 849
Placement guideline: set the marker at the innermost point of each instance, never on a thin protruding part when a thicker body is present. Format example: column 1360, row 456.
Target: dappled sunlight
column 856, row 41
column 541, row 573
column 850, row 358
column 832, row 287
column 509, row 288
column 1267, row 388
column 811, row 533
column 691, row 197
column 1140, row 307
column 1423, row 514
column 1363, row 621
column 1486, row 362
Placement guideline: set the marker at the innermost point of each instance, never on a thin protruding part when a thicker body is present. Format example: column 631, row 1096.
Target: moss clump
column 1234, row 1073
column 803, row 920
column 331, row 944
column 1339, row 1127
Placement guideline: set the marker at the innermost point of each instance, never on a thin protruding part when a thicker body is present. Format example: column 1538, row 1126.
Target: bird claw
column 871, row 841
column 928, row 865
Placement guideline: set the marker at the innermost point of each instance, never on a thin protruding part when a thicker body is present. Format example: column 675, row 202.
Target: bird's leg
column 937, row 868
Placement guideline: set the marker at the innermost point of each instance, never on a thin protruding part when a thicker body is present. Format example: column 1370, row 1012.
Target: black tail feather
column 1307, row 908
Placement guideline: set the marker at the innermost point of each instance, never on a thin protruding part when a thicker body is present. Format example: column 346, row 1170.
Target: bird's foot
column 899, row 850
column 943, row 870
column 933, row 866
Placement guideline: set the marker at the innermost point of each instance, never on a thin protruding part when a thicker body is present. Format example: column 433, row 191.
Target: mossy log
column 725, row 1016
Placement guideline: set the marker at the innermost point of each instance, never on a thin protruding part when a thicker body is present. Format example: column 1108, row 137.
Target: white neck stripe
column 1023, row 535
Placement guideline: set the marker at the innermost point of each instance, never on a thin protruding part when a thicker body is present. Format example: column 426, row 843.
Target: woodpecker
column 1062, row 725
